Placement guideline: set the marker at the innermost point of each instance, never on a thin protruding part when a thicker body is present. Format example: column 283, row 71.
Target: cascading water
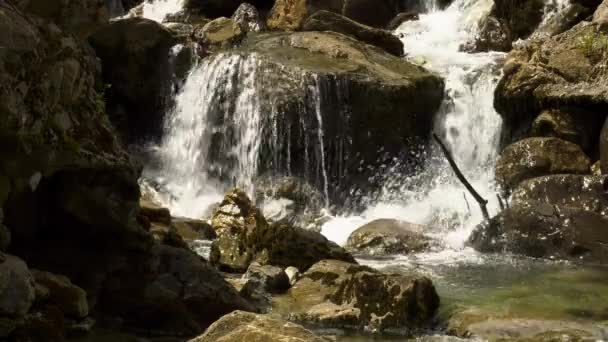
column 227, row 127
column 158, row 10
column 467, row 122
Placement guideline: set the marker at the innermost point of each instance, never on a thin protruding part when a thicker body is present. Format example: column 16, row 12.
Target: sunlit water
column 467, row 122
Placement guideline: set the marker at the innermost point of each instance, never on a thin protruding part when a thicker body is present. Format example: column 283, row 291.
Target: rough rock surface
column 243, row 326
column 338, row 294
column 386, row 237
column 244, row 236
column 563, row 71
column 329, row 21
column 17, row 292
column 543, row 230
column 577, row 126
column 534, row 157
column 71, row 299
column 134, row 54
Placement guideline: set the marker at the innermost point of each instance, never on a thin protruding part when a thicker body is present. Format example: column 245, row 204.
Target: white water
column 467, row 123
column 158, row 10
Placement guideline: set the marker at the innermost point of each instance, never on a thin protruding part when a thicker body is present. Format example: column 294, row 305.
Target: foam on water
column 467, row 122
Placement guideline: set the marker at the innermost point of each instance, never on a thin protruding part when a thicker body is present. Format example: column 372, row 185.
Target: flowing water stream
column 216, row 132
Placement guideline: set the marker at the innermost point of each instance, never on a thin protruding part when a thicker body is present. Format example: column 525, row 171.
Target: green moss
column 593, row 44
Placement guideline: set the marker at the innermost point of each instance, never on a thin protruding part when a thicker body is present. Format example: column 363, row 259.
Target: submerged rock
column 342, row 295
column 248, row 18
column 534, row 157
column 543, row 230
column 219, row 31
column 244, row 236
column 329, row 21
column 243, row 326
column 387, row 237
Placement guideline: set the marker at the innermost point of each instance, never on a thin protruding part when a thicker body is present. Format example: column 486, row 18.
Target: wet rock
column 401, row 18
column 329, row 21
column 291, row 14
column 387, row 237
column 219, row 31
column 190, row 229
column 534, row 157
column 80, row 18
column 575, row 191
column 339, row 294
column 543, row 230
column 370, row 100
column 71, row 299
column 272, row 278
column 604, row 148
column 244, row 236
column 17, row 291
column 494, row 35
column 248, row 18
column 558, row 72
column 577, row 126
column 132, row 50
column 563, row 20
column 242, row 326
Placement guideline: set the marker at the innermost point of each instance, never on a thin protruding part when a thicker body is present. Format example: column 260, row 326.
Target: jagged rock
column 604, row 148
column 329, row 21
column 596, row 168
column 133, row 50
column 400, row 19
column 563, row 71
column 243, row 326
column 575, row 125
column 248, row 18
column 534, row 157
column 291, row 14
column 41, row 324
column 156, row 214
column 79, row 17
column 17, row 291
column 71, row 299
column 219, row 31
column 272, row 278
column 385, row 237
column 244, row 236
column 542, row 230
column 339, row 294
column 186, row 296
column 573, row 191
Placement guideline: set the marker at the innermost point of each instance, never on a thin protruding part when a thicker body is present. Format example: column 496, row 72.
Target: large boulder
column 574, row 191
column 135, row 59
column 542, row 230
column 78, row 17
column 562, row 71
column 385, row 237
column 185, row 297
column 243, row 326
column 361, row 98
column 248, row 18
column 342, row 295
column 329, row 21
column 244, row 236
column 291, row 14
column 534, row 157
column 578, row 126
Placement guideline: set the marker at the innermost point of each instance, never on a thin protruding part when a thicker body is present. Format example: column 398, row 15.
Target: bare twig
column 500, row 202
column 480, row 200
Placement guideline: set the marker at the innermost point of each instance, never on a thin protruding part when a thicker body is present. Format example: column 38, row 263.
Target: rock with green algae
column 244, row 236
column 337, row 294
column 243, row 326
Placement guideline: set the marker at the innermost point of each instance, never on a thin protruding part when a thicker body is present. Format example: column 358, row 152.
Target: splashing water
column 467, row 123
column 158, row 10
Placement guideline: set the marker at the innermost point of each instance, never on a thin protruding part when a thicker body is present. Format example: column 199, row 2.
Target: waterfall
column 227, row 127
column 467, row 123
column 158, row 10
